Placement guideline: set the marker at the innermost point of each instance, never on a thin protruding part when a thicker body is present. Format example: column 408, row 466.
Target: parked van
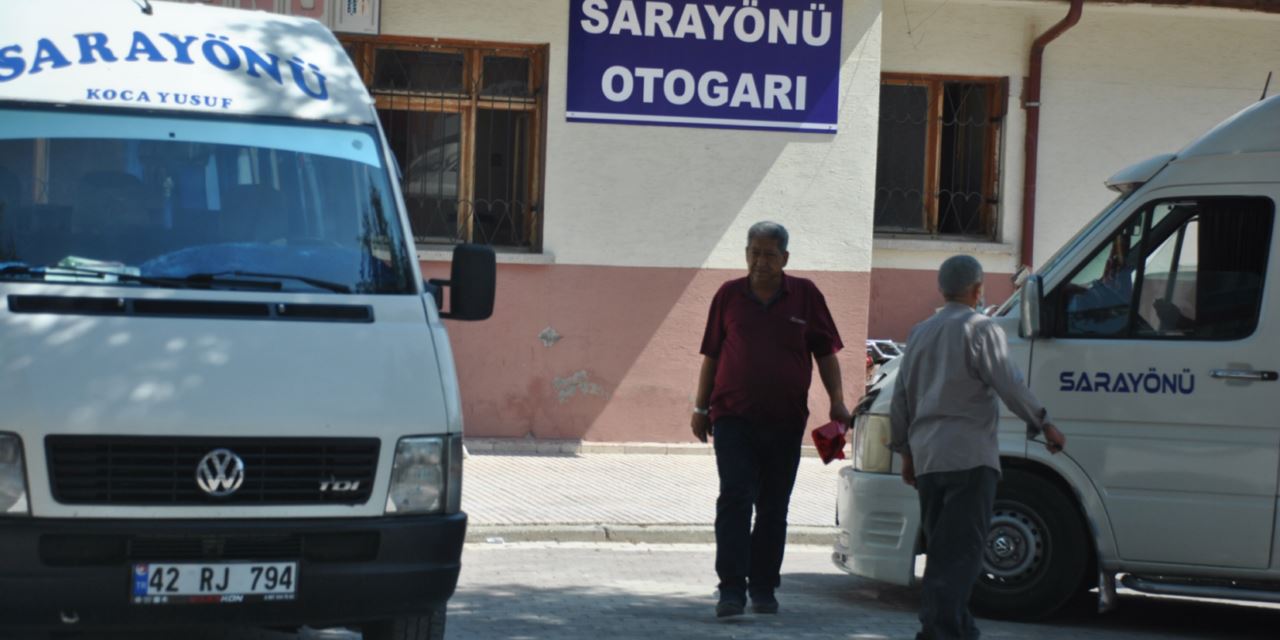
column 227, row 393
column 1150, row 337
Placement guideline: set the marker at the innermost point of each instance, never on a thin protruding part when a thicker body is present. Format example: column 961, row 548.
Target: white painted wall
column 1125, row 84
column 1130, row 83
column 623, row 195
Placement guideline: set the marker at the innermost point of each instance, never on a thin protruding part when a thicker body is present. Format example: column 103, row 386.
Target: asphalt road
column 585, row 591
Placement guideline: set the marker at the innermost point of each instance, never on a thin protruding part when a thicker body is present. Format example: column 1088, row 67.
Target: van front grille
column 146, row 471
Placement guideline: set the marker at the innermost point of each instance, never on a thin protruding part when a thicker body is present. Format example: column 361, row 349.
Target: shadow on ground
column 814, row 606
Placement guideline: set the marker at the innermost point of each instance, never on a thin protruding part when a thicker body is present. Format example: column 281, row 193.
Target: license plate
column 230, row 582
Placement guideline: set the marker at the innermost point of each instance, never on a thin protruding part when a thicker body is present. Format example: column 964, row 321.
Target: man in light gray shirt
column 944, row 420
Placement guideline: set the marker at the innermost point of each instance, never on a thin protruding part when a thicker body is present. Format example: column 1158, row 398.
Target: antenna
column 1265, row 87
column 145, row 5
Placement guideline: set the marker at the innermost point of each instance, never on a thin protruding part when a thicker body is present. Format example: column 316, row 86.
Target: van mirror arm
column 435, row 287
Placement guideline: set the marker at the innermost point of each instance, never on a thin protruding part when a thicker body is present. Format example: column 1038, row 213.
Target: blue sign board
column 743, row 64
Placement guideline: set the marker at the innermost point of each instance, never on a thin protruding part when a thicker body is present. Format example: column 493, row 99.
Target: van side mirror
column 472, row 282
column 1029, row 307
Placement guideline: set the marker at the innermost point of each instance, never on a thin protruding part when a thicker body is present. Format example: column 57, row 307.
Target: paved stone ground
column 536, row 591
column 580, row 591
column 624, row 489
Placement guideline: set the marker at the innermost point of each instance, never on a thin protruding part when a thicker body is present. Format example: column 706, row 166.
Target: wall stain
column 578, row 383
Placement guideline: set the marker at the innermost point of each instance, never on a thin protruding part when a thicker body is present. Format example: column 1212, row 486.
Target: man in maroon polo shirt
column 762, row 335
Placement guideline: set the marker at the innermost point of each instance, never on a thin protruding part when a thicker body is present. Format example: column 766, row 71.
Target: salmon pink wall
column 625, row 366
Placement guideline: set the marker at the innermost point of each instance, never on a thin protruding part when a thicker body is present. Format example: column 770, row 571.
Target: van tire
column 1037, row 550
column 426, row 627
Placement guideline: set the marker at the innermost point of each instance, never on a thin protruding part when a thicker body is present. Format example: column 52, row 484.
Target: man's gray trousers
column 955, row 509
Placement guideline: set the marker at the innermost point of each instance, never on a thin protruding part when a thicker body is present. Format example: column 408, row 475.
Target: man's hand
column 908, row 470
column 1054, row 441
column 840, row 414
column 701, row 426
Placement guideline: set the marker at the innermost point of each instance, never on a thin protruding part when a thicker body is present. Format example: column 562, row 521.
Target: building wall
column 1127, row 83
column 1178, row 73
column 642, row 224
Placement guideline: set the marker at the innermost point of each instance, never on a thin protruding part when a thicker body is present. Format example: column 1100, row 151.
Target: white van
column 1150, row 337
column 226, row 392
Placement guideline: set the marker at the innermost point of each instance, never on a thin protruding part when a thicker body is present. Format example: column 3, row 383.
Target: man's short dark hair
column 958, row 274
column 767, row 229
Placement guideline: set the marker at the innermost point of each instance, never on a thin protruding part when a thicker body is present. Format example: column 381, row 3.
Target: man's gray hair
column 958, row 274
column 767, row 229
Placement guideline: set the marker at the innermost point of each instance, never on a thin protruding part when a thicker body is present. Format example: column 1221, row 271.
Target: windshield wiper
column 220, row 278
column 195, row 280
column 43, row 273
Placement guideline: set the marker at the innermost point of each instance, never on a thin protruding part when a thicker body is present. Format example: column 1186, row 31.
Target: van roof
column 1256, row 129
column 180, row 57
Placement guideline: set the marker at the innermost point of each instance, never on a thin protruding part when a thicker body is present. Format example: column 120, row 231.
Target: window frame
column 998, row 101
column 363, row 52
column 1057, row 298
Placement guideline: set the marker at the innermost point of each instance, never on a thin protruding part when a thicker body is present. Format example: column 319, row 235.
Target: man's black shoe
column 766, row 604
column 730, row 605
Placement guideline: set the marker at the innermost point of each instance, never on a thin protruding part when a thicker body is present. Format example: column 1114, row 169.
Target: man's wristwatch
column 702, row 412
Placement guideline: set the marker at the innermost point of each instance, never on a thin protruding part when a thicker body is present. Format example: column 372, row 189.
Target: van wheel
column 1036, row 553
column 427, row 627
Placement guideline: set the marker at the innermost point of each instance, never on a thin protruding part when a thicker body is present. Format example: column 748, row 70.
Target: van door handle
column 1245, row 374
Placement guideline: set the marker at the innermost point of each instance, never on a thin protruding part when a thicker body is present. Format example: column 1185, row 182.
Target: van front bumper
column 879, row 523
column 349, row 570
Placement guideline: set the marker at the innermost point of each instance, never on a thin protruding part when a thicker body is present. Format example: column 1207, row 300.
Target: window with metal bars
column 937, row 169
column 466, row 122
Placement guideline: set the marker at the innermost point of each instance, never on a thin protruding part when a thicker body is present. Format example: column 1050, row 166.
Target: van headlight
column 871, row 453
column 13, row 477
column 426, row 476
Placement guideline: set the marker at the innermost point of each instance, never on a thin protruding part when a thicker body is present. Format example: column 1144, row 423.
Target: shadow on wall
column 901, row 298
column 611, row 353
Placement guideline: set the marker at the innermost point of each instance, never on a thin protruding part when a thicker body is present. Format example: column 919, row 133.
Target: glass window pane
column 1205, row 271
column 1166, row 304
column 1097, row 298
column 900, row 160
column 125, row 195
column 418, row 71
column 501, row 177
column 427, row 146
column 505, row 77
column 962, row 175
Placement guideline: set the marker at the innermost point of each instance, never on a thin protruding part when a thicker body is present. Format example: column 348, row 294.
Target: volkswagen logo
column 220, row 473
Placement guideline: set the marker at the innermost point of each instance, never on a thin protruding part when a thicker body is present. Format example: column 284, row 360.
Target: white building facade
column 612, row 238
column 1127, row 82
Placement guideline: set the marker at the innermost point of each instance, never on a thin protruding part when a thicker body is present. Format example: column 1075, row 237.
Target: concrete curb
column 627, row 533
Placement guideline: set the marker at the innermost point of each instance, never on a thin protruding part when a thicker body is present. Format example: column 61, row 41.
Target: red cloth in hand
column 829, row 440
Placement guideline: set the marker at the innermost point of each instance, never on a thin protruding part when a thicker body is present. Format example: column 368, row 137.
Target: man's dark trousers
column 955, row 507
column 757, row 465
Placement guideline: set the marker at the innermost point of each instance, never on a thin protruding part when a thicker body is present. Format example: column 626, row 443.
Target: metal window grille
column 938, row 156
column 466, row 124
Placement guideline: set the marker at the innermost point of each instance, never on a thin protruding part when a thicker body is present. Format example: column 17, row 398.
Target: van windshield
column 174, row 201
column 1064, row 251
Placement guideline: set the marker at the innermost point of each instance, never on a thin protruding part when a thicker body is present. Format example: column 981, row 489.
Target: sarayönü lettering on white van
column 217, row 51
column 1151, row 382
